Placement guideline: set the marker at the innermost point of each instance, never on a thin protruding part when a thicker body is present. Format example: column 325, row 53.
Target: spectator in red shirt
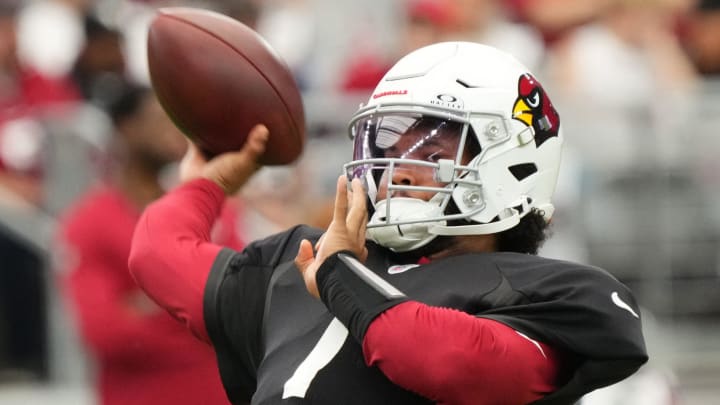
column 702, row 37
column 26, row 99
column 425, row 22
column 143, row 355
column 26, row 96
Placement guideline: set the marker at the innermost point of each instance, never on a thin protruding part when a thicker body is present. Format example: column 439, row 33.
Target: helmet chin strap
column 509, row 218
column 407, row 237
column 402, row 237
column 477, row 229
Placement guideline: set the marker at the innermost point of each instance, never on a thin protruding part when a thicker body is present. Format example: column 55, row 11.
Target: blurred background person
column 100, row 69
column 627, row 69
column 424, row 22
column 555, row 18
column 50, row 34
column 290, row 27
column 27, row 97
column 141, row 354
column 702, row 37
column 280, row 197
column 489, row 22
column 625, row 72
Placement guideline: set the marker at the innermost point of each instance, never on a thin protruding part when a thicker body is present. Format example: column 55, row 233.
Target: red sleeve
column 226, row 229
column 171, row 252
column 455, row 358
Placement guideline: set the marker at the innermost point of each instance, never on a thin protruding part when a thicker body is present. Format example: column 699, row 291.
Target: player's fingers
column 362, row 229
column 363, row 254
column 305, row 255
column 304, row 260
column 256, row 141
column 192, row 153
column 341, row 204
column 231, row 170
column 191, row 163
column 191, row 147
column 188, row 157
column 358, row 211
column 319, row 242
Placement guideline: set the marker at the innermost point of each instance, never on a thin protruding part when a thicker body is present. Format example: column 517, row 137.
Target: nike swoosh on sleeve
column 615, row 297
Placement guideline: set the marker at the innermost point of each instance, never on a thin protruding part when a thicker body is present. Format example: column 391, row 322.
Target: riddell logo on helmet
column 390, row 93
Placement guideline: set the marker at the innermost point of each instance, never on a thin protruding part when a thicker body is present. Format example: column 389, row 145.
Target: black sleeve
column 235, row 334
column 234, row 306
column 584, row 311
column 353, row 293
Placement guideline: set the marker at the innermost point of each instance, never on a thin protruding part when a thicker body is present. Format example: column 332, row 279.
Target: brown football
column 217, row 78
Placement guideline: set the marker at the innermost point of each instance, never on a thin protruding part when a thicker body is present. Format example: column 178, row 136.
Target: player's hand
column 346, row 232
column 230, row 170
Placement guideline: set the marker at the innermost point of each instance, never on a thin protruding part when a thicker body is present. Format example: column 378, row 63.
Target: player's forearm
column 171, row 255
column 455, row 358
column 446, row 355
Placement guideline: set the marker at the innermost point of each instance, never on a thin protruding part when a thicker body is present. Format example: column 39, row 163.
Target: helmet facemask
column 410, row 163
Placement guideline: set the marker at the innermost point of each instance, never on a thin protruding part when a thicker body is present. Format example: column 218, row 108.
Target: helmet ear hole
column 523, row 170
column 452, row 209
column 472, row 145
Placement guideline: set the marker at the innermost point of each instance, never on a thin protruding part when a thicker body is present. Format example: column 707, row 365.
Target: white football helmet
column 458, row 138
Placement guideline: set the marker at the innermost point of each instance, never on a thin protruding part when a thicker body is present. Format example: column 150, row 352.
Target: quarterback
column 426, row 287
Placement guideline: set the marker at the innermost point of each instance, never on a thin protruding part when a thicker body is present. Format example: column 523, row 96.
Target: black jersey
column 276, row 344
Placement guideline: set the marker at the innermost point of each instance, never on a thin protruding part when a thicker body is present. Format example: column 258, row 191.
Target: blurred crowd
column 629, row 70
column 623, row 55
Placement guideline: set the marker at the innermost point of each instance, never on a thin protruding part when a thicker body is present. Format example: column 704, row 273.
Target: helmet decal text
column 390, row 93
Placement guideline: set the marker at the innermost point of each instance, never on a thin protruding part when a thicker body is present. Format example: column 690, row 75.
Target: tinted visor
column 407, row 136
column 393, row 142
column 411, row 136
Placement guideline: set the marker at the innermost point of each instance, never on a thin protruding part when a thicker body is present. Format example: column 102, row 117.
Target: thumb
column 305, row 255
column 256, row 143
column 191, row 163
column 231, row 170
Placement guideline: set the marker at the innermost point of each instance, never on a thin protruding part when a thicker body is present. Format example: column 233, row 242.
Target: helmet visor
column 406, row 136
column 405, row 151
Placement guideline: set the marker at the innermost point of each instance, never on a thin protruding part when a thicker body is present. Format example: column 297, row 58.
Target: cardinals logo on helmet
column 534, row 108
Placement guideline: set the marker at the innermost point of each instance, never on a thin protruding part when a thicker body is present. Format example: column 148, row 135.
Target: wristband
column 353, row 293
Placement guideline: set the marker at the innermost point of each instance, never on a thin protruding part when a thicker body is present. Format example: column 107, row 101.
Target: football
column 217, row 78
